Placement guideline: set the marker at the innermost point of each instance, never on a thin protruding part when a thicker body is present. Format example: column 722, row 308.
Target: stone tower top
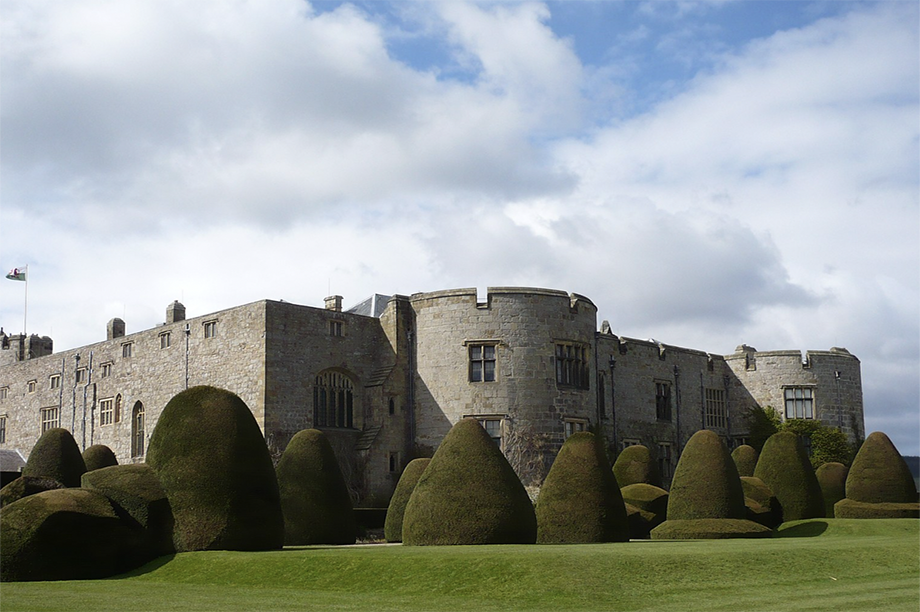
column 115, row 329
column 175, row 312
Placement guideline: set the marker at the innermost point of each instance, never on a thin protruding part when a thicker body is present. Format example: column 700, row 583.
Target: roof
column 11, row 460
column 372, row 306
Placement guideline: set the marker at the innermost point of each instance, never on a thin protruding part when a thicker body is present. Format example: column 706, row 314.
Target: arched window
column 137, row 430
column 333, row 400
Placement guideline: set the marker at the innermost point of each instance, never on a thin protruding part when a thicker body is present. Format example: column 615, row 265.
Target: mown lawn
column 833, row 564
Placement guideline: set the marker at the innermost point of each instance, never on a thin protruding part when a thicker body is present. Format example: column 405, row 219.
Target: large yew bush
column 208, row 452
column 99, row 456
column 314, row 497
column 832, row 478
column 393, row 526
column 745, row 458
column 580, row 500
column 56, row 456
column 785, row 468
column 879, row 484
column 636, row 465
column 469, row 494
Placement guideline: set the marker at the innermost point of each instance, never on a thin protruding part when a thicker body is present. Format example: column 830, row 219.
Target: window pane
column 476, row 352
column 476, row 371
column 489, row 373
column 488, row 352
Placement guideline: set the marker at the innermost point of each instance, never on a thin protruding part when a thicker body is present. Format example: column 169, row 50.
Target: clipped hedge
column 580, row 500
column 762, row 505
column 314, row 497
column 208, row 452
column 832, row 478
column 785, row 468
column 25, row 486
column 745, row 458
column 650, row 504
column 469, row 494
column 635, row 465
column 392, row 529
column 879, row 473
column 56, row 456
column 706, row 498
column 136, row 490
column 66, row 534
column 848, row 508
column 98, row 456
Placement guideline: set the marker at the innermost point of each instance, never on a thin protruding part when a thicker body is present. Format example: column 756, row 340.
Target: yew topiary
column 98, row 456
column 25, row 486
column 580, row 500
column 879, row 484
column 832, row 478
column 314, row 497
column 636, row 465
column 785, row 468
column 469, row 494
column 745, row 458
column 762, row 505
column 706, row 498
column 136, row 490
column 208, row 452
column 56, row 456
column 651, row 508
column 67, row 534
column 393, row 526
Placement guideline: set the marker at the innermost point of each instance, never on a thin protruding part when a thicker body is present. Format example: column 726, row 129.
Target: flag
column 17, row 274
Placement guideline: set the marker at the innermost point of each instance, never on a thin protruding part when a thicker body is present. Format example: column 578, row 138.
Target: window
column 54, row 381
column 573, row 425
column 80, row 376
column 392, row 406
column 210, row 329
column 137, row 430
column 664, row 459
column 663, row 401
column 164, row 340
column 4, row 393
column 3, row 429
column 51, row 418
column 30, row 386
column 493, row 427
column 107, row 411
column 630, row 442
column 602, row 395
column 106, row 369
column 333, row 400
column 127, row 349
column 118, row 408
column 572, row 365
column 394, row 462
column 482, row 362
column 336, row 328
column 716, row 416
column 800, row 402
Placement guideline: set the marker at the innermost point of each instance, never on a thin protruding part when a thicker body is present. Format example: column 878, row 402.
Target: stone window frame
column 49, row 418
column 32, row 386
column 334, row 399
column 3, row 419
column 627, row 442
column 127, row 350
column 106, row 368
column 665, row 459
column 664, row 409
column 210, row 328
column 107, row 411
column 493, row 424
column 808, row 402
column 138, row 425
column 80, row 376
column 573, row 425
column 715, row 410
column 4, row 392
column 337, row 328
column 478, row 363
column 572, row 361
column 54, row 381
column 393, row 462
column 165, row 340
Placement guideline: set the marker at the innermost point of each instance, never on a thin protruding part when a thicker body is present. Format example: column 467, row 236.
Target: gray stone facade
column 388, row 383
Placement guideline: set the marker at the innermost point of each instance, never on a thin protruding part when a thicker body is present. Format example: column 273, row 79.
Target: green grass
column 833, row 564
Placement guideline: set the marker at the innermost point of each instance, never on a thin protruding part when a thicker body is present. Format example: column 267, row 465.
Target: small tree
column 762, row 423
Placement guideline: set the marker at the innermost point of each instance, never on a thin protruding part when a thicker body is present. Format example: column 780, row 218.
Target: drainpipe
column 73, row 398
column 677, row 402
column 188, row 332
column 613, row 403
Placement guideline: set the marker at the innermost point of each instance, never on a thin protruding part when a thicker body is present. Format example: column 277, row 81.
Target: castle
column 386, row 380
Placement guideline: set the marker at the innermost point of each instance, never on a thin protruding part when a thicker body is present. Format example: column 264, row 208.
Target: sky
column 709, row 173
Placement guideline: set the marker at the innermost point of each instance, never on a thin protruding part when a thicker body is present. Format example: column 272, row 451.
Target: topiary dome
column 580, row 501
column 785, row 468
column 745, row 458
column 208, row 452
column 879, row 473
column 314, row 497
column 98, row 456
column 636, row 465
column 56, row 456
column 469, row 494
column 832, row 478
column 393, row 526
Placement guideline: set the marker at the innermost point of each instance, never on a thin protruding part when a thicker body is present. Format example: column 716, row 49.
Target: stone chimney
column 115, row 329
column 175, row 312
column 334, row 302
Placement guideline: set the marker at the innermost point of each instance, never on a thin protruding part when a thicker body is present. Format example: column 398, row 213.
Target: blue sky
column 710, row 173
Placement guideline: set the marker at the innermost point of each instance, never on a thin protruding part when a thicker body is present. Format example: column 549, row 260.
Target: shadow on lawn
column 146, row 568
column 805, row 530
